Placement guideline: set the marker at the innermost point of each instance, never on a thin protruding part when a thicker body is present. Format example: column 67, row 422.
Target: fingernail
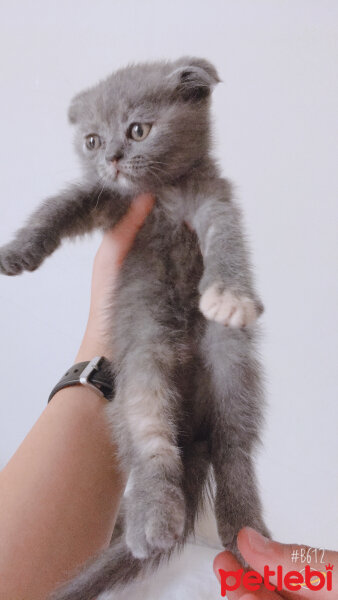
column 258, row 543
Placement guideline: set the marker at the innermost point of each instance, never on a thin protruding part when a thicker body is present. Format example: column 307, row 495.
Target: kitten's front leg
column 226, row 287
column 75, row 211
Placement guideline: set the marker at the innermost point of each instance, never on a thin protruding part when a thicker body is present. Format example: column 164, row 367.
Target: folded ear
column 76, row 107
column 73, row 110
column 196, row 79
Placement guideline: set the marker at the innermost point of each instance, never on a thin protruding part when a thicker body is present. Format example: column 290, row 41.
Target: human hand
column 114, row 247
column 258, row 551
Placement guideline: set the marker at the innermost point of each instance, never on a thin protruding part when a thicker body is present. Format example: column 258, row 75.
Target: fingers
column 227, row 562
column 123, row 235
column 260, row 552
column 231, row 574
column 279, row 571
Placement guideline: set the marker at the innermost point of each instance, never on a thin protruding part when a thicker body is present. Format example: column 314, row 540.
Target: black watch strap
column 95, row 374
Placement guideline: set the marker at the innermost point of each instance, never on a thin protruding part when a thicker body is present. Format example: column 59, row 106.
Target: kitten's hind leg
column 237, row 503
column 236, row 421
column 148, row 401
column 155, row 518
column 116, row 567
column 160, row 505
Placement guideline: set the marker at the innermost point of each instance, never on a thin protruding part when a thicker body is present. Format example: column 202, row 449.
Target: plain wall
column 274, row 128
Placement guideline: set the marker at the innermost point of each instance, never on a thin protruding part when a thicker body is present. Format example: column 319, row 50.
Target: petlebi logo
column 313, row 579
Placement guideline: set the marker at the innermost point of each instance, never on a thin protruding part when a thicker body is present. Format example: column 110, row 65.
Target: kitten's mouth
column 118, row 175
column 121, row 178
column 118, row 172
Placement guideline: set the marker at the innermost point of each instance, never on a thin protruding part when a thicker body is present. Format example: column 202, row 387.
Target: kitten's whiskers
column 100, row 194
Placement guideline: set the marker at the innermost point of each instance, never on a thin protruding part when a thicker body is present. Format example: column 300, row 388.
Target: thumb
column 260, row 552
column 117, row 242
column 125, row 231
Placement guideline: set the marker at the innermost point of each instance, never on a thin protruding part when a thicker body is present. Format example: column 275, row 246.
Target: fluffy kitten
column 188, row 386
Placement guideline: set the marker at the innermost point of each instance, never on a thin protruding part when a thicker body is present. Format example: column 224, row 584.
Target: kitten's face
column 145, row 125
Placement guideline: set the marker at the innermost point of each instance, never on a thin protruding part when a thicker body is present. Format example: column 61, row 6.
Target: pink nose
column 114, row 157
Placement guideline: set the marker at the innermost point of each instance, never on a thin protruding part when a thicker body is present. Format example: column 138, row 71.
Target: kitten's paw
column 166, row 521
column 228, row 308
column 228, row 535
column 136, row 540
column 14, row 260
column 158, row 525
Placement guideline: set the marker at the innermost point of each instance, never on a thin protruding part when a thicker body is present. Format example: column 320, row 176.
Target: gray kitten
column 188, row 384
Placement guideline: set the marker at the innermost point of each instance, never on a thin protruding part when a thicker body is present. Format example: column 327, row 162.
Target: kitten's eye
column 139, row 131
column 92, row 141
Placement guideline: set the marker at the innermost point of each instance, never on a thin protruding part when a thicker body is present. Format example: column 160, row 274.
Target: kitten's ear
column 75, row 108
column 196, row 79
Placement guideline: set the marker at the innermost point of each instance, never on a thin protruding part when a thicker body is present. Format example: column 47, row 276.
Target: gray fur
column 180, row 377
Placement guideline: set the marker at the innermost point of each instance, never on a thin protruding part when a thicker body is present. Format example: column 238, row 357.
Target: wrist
column 95, row 374
column 92, row 345
column 78, row 400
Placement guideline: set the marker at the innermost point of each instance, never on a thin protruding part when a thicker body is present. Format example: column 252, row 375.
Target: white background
column 274, row 125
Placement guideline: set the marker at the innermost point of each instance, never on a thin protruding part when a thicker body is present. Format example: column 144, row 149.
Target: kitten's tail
column 116, row 566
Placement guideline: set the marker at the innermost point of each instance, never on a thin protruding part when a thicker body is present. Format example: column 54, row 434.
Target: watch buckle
column 88, row 371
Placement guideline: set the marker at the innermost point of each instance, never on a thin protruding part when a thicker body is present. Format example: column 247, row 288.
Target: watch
column 95, row 374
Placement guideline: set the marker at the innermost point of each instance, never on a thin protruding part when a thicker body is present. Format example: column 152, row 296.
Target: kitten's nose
column 114, row 158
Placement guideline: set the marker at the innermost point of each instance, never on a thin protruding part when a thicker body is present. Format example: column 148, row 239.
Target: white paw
column 137, row 545
column 227, row 308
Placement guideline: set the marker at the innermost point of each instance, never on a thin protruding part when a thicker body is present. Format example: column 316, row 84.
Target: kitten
column 188, row 385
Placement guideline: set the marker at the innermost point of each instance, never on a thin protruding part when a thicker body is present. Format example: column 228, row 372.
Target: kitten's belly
column 163, row 269
column 156, row 320
column 156, row 300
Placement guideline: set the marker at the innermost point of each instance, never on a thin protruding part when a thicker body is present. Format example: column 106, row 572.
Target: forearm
column 59, row 496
